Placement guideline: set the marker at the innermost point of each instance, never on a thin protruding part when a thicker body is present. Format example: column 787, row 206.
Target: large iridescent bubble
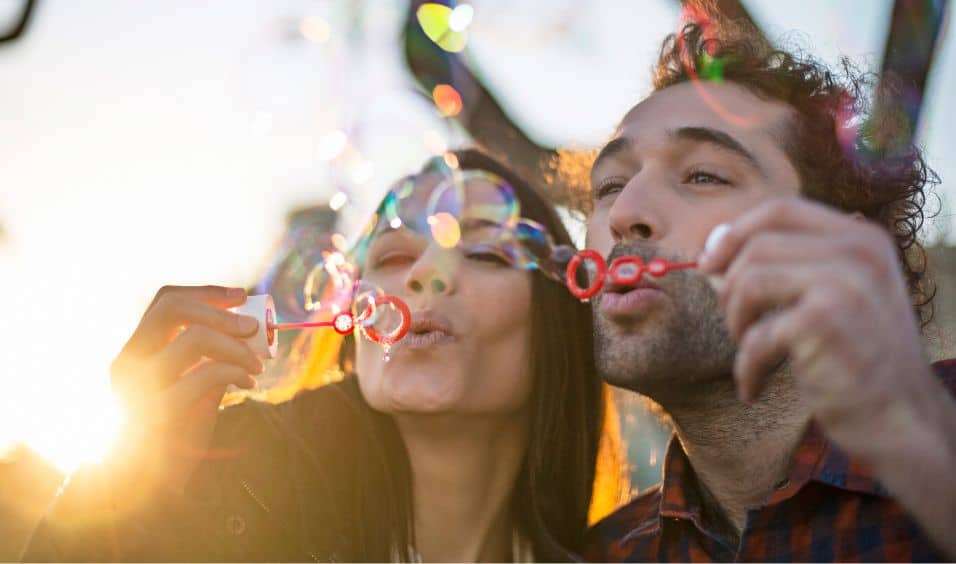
column 471, row 211
column 330, row 284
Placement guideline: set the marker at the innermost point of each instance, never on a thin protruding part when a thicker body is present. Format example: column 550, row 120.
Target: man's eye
column 701, row 177
column 608, row 187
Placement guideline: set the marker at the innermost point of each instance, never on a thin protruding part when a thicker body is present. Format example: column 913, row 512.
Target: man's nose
column 636, row 213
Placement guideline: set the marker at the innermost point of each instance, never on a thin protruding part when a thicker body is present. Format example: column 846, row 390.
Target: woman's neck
column 463, row 474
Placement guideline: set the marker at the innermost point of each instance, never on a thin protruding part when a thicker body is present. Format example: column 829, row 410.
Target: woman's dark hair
column 848, row 141
column 553, row 492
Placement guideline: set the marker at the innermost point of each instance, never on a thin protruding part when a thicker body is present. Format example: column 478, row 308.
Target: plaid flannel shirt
column 829, row 509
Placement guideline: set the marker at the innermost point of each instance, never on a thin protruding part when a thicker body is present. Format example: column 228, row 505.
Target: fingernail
column 716, row 282
column 236, row 292
column 247, row 324
column 716, row 234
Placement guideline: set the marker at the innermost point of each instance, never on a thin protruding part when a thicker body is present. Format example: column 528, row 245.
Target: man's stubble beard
column 680, row 353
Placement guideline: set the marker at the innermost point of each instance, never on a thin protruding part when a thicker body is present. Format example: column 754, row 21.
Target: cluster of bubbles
column 472, row 211
column 333, row 287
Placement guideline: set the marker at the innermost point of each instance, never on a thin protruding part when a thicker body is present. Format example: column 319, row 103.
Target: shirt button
column 236, row 525
column 782, row 484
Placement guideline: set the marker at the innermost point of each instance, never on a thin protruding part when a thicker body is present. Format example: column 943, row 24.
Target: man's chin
column 627, row 327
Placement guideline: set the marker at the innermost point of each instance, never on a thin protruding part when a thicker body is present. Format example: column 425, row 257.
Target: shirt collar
column 815, row 460
column 818, row 460
column 679, row 494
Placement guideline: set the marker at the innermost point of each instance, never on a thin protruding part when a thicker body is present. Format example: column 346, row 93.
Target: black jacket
column 272, row 488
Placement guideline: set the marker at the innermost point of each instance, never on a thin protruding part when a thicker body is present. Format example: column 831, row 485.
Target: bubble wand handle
column 305, row 325
column 343, row 323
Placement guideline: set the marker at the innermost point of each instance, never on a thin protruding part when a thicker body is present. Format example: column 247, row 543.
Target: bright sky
column 149, row 143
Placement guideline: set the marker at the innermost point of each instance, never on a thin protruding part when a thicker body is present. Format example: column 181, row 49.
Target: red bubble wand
column 343, row 323
column 624, row 271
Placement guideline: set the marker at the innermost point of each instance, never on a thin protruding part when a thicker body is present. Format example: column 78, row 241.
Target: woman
column 477, row 440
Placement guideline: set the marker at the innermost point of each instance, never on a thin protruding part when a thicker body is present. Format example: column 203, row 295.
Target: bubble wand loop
column 624, row 271
column 265, row 343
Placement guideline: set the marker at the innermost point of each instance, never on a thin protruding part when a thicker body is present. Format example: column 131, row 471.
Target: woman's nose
column 431, row 273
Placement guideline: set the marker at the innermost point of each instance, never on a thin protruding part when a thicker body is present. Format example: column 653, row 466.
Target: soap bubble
column 330, row 284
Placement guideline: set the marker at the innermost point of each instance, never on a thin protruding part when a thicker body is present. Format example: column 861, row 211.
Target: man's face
column 688, row 158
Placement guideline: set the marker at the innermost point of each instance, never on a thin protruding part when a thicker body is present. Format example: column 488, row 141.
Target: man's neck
column 463, row 474
column 739, row 451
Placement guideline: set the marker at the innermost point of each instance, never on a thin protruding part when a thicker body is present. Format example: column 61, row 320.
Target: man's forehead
column 725, row 107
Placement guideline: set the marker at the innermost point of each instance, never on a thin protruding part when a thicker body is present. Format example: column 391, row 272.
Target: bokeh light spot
column 338, row 200
column 711, row 68
column 445, row 229
column 447, row 100
column 435, row 20
column 461, row 17
column 332, row 144
column 339, row 242
column 315, row 29
column 434, row 142
column 451, row 159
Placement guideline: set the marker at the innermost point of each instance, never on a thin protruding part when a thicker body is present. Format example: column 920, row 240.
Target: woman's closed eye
column 392, row 260
column 488, row 256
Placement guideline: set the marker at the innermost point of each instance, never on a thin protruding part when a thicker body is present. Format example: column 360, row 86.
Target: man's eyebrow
column 613, row 148
column 719, row 138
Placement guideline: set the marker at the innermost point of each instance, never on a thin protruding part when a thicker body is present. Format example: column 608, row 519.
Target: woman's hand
column 171, row 376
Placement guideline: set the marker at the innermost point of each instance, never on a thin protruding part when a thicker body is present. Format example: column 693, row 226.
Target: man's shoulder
column 640, row 513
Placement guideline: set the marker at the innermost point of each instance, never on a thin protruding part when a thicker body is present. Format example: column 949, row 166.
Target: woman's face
column 468, row 348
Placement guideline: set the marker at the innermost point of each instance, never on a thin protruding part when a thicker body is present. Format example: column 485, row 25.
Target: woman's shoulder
column 325, row 405
column 321, row 422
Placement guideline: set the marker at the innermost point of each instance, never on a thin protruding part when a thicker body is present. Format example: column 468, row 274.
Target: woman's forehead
column 421, row 185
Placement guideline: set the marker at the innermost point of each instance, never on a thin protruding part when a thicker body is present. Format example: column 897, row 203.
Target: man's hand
column 824, row 291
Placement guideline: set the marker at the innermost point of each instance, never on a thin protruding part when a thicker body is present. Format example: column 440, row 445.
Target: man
column 809, row 425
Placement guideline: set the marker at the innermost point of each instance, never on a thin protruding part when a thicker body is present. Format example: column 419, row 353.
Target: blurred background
column 193, row 142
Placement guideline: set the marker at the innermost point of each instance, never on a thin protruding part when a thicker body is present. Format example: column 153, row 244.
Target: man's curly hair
column 849, row 142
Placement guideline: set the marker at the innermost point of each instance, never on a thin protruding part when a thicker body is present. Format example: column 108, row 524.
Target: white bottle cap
column 265, row 343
